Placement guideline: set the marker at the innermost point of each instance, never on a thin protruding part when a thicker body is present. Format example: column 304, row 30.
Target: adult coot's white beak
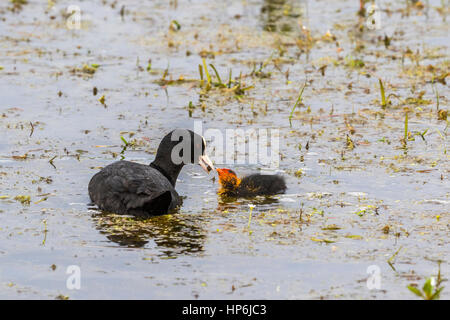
column 205, row 163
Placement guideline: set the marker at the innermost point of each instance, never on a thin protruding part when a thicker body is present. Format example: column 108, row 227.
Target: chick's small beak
column 205, row 163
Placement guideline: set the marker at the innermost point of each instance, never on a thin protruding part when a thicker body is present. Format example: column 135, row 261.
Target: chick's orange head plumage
column 228, row 179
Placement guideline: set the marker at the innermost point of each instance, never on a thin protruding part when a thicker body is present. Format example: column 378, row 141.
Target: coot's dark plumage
column 126, row 187
column 249, row 186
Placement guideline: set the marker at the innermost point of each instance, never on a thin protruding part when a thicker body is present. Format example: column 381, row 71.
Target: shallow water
column 207, row 250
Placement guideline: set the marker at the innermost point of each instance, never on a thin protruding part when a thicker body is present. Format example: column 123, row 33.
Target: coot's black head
column 180, row 147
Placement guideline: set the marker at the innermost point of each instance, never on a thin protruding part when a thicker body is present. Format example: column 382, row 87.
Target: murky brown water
column 357, row 177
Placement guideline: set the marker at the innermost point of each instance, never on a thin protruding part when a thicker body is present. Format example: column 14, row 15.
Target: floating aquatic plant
column 431, row 289
column 297, row 103
column 383, row 94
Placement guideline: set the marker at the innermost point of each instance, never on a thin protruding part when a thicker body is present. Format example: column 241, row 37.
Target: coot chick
column 249, row 186
column 125, row 187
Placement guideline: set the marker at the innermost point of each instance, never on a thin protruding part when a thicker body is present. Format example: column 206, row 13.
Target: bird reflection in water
column 227, row 203
column 173, row 235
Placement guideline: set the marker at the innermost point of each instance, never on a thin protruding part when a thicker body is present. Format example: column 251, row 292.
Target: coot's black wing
column 130, row 188
column 260, row 184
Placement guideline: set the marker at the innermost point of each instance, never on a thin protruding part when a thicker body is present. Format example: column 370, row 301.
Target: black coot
column 249, row 186
column 125, row 187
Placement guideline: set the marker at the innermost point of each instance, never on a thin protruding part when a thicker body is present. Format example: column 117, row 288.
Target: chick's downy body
column 249, row 186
